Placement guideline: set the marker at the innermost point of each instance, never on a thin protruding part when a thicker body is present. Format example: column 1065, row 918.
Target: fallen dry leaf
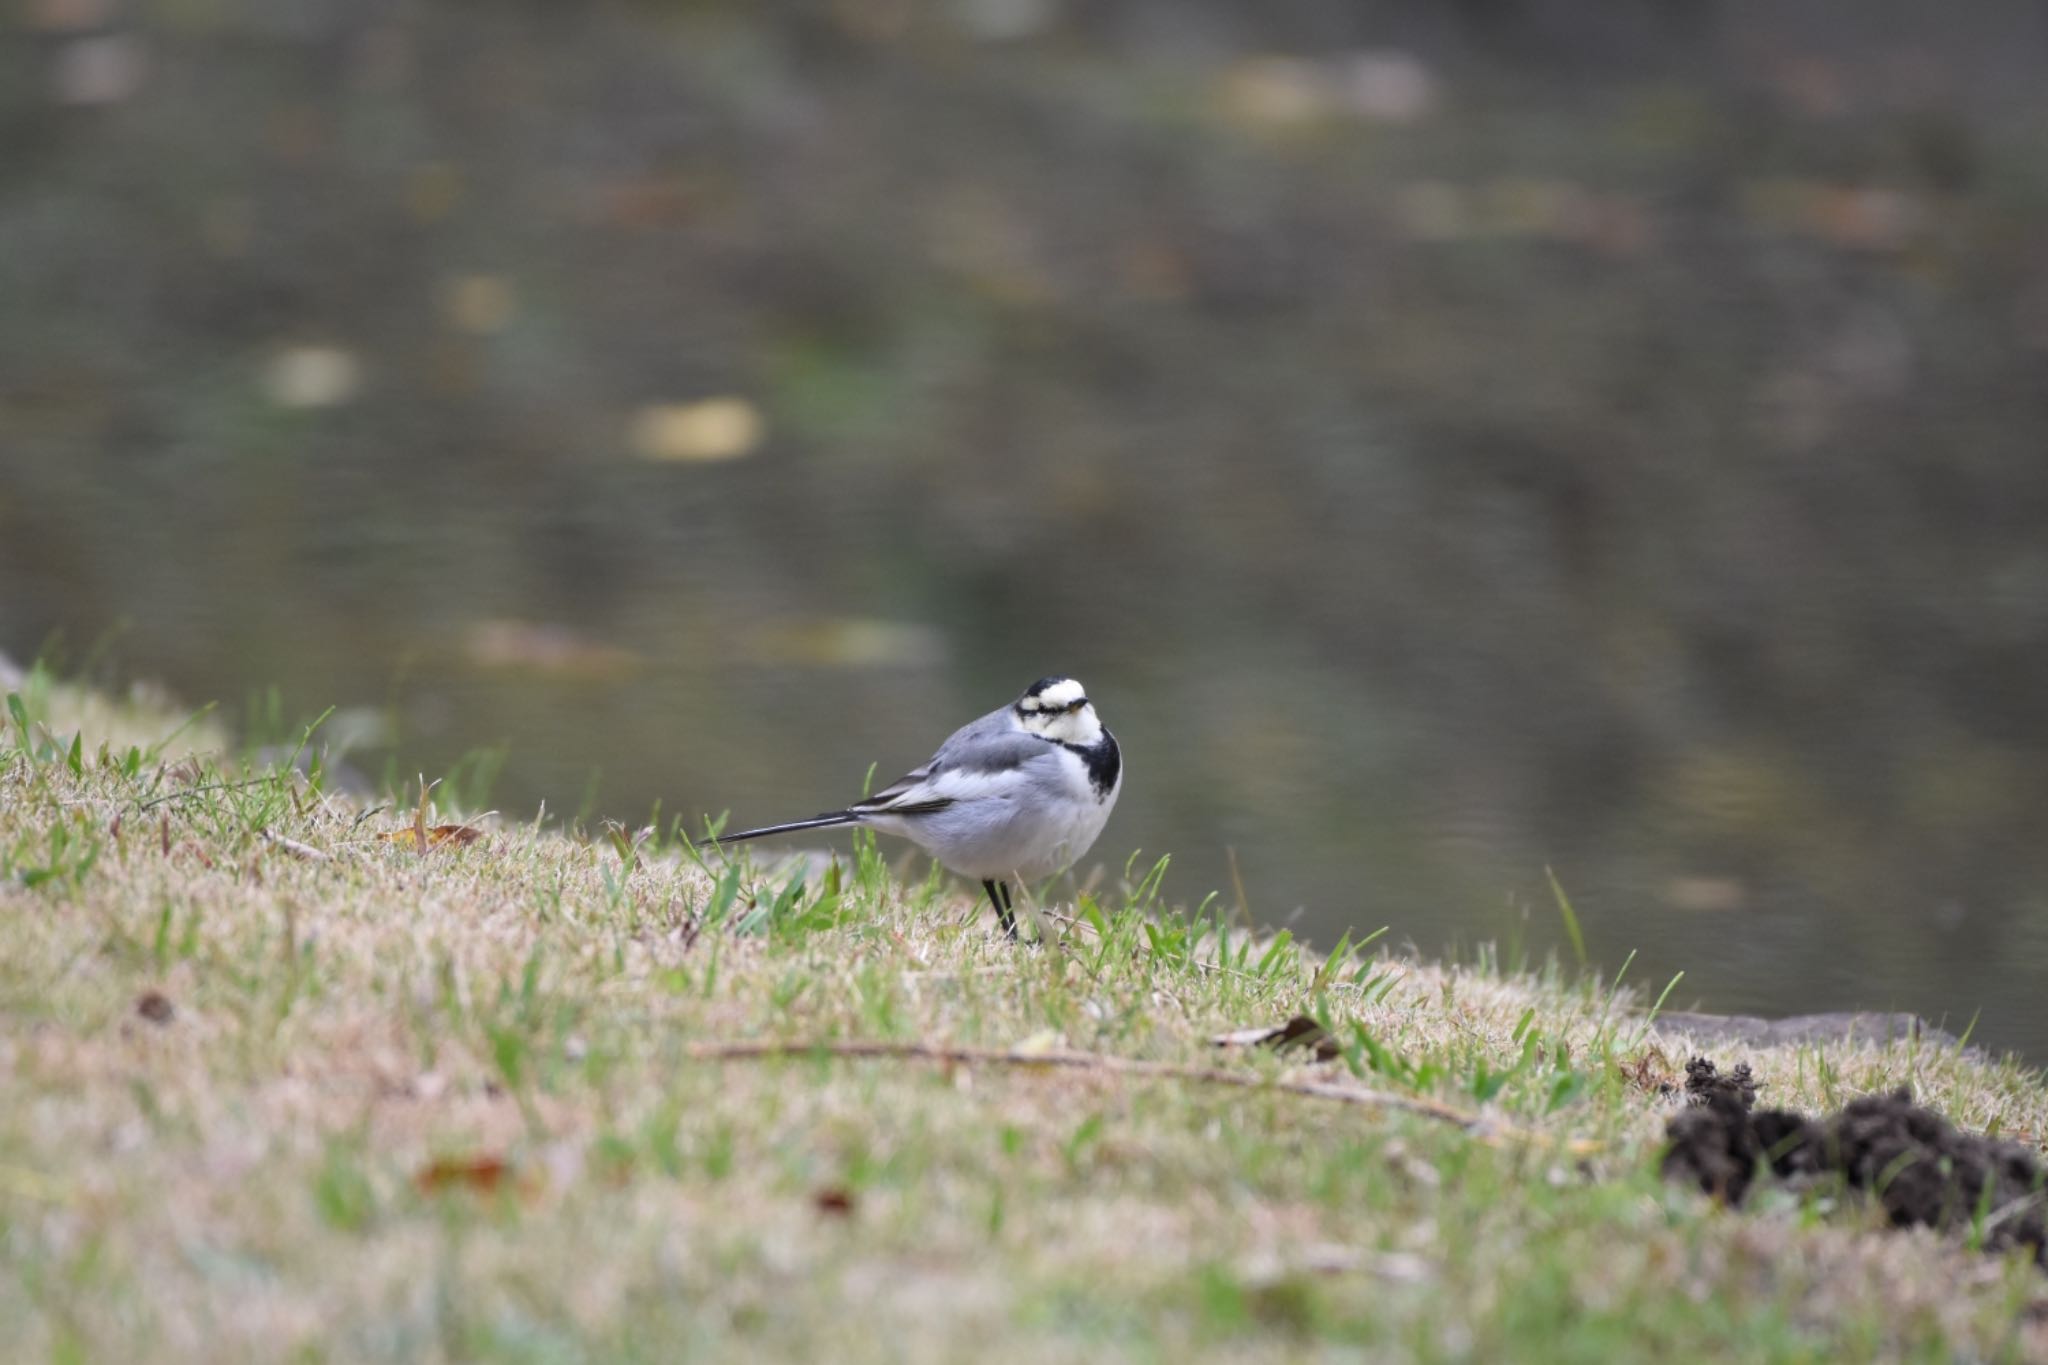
column 459, row 835
column 479, row 304
column 1650, row 1071
column 483, row 1173
column 834, row 1201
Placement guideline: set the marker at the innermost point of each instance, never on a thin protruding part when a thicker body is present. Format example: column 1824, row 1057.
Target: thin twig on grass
column 304, row 852
column 756, row 1049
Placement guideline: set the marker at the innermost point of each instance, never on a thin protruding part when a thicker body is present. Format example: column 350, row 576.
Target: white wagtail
column 1015, row 796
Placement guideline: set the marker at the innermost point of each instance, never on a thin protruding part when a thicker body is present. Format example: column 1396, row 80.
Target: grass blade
column 1571, row 918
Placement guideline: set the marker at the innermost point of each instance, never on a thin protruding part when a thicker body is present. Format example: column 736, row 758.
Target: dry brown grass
column 274, row 1087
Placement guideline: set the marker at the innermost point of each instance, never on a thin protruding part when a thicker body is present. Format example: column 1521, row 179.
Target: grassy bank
column 275, row 1083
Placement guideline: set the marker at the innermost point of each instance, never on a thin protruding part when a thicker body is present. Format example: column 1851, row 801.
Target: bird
column 1014, row 796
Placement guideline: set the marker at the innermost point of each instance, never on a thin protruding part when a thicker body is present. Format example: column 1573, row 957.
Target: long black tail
column 838, row 817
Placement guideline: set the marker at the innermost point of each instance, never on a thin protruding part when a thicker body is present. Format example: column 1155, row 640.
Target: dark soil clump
column 1915, row 1163
column 1704, row 1083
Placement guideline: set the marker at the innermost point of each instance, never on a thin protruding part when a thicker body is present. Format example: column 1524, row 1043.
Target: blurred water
column 1327, row 807
column 1449, row 442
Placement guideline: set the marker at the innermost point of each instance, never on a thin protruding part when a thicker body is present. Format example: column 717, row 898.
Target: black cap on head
column 1054, row 694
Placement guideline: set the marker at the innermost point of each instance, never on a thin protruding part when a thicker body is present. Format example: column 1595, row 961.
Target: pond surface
column 1449, row 447
column 1325, row 799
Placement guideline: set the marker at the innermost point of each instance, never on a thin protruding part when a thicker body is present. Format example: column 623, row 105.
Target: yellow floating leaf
column 478, row 303
column 1277, row 92
column 432, row 191
column 1707, row 893
column 846, row 642
column 543, row 647
column 312, row 377
column 713, row 429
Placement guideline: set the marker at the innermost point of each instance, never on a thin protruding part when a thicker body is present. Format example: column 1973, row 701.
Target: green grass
column 467, row 1103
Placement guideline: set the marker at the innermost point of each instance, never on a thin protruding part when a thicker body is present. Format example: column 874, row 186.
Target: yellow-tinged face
column 1058, row 708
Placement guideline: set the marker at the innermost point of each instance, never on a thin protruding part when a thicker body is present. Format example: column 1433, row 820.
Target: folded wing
column 967, row 766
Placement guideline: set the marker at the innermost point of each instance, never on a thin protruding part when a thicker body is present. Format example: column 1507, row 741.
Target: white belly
column 1020, row 835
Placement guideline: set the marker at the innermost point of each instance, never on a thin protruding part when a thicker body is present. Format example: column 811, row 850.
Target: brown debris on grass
column 1649, row 1071
column 433, row 836
column 834, row 1201
column 1918, row 1166
column 482, row 1173
column 1301, row 1031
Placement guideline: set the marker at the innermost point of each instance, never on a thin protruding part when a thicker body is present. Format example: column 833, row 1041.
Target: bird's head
column 1058, row 708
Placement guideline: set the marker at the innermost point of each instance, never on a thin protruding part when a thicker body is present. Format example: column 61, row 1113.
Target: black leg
column 999, row 896
column 1009, row 920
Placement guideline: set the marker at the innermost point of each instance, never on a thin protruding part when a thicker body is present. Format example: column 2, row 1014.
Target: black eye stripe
column 1043, row 710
